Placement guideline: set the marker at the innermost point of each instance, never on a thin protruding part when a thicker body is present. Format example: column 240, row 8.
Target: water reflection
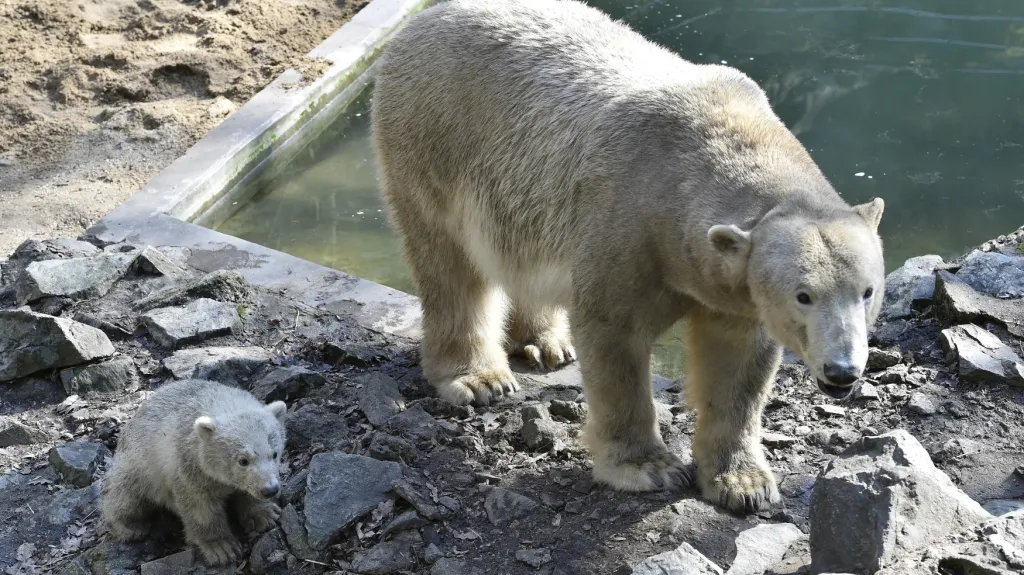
column 916, row 101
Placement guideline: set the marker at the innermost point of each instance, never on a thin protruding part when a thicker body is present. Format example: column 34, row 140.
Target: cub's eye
column 275, row 455
column 803, row 298
column 244, row 462
column 868, row 293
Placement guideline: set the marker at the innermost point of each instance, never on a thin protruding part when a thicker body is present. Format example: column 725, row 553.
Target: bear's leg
column 206, row 525
column 254, row 515
column 463, row 320
column 541, row 335
column 622, row 426
column 124, row 510
column 730, row 367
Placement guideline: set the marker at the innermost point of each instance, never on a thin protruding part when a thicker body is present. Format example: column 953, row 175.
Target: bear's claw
column 747, row 491
column 664, row 471
column 478, row 387
column 221, row 551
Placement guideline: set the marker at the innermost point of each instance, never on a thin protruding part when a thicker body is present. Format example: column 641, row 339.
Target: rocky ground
column 97, row 96
column 921, row 472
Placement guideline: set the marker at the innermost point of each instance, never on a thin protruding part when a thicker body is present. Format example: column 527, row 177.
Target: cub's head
column 244, row 449
column 817, row 285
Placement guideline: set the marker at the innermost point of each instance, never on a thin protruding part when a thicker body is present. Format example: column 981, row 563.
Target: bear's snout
column 271, row 489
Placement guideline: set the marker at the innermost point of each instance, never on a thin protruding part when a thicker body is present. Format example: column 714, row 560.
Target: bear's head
column 817, row 283
column 244, row 449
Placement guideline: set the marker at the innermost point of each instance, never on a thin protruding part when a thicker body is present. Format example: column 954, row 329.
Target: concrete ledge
column 229, row 153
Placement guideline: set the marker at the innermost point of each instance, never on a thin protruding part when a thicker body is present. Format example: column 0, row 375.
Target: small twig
column 316, row 562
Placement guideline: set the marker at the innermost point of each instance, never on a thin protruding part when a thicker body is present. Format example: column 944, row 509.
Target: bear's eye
column 275, row 455
column 868, row 293
column 803, row 298
column 244, row 462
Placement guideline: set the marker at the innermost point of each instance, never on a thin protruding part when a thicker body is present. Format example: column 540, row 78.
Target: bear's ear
column 205, row 427
column 730, row 241
column 871, row 212
column 278, row 409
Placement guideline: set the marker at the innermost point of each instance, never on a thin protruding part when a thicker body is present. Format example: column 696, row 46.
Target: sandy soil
column 97, row 96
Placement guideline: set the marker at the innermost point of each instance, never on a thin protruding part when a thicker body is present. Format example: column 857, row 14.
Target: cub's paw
column 220, row 551
column 743, row 491
column 259, row 518
column 478, row 387
column 661, row 471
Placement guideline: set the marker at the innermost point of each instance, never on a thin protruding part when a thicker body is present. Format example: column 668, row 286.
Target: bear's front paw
column 743, row 491
column 259, row 518
column 661, row 471
column 220, row 551
column 478, row 386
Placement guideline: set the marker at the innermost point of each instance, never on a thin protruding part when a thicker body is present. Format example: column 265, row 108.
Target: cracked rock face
column 32, row 342
column 880, row 499
column 981, row 357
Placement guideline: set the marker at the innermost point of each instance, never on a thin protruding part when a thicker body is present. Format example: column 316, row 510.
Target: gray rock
column 388, row 557
column 116, row 375
column 879, row 359
column 269, row 554
column 37, row 516
column 544, row 434
column 222, row 285
column 228, row 365
column 446, row 566
column 684, row 560
column 569, row 410
column 956, row 302
column 341, row 488
column 432, row 554
column 78, row 278
column 390, row 448
column 357, row 354
column 760, row 547
column 897, row 374
column 415, row 424
column 999, row 507
column 535, row 558
column 913, row 282
column 181, row 563
column 778, row 440
column 77, row 462
column 404, row 522
column 828, row 410
column 379, row 398
column 534, row 411
column 174, row 327
column 881, row 498
column 957, row 447
column 980, row 357
column 287, row 384
column 154, row 261
column 295, row 534
column 32, row 342
column 314, row 424
column 993, row 274
column 922, row 404
column 14, row 432
column 866, row 391
column 425, row 506
column 504, row 506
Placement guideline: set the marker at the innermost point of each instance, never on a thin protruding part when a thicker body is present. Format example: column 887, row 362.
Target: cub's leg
column 206, row 525
column 541, row 335
column 730, row 367
column 463, row 319
column 123, row 508
column 622, row 426
column 254, row 515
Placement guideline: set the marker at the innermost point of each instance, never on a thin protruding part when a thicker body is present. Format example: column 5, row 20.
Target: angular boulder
column 112, row 376
column 683, row 560
column 760, row 547
column 993, row 274
column 227, row 365
column 341, row 488
column 957, row 302
column 980, row 357
column 78, row 278
column 202, row 319
column 32, row 342
column 912, row 282
column 880, row 499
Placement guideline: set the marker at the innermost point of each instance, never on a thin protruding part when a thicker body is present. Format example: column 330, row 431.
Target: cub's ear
column 730, row 241
column 205, row 427
column 871, row 211
column 278, row 409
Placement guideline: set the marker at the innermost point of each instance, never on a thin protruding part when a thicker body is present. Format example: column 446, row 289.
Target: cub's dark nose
column 270, row 490
column 841, row 374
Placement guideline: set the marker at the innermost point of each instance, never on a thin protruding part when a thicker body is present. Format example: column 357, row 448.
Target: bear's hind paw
column 478, row 387
column 220, row 551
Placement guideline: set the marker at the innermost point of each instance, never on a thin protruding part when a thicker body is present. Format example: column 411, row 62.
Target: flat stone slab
column 76, row 462
column 32, row 342
column 683, row 560
column 174, row 327
column 227, row 365
column 957, row 302
column 980, row 357
column 287, row 384
column 112, row 376
column 341, row 488
column 761, row 547
column 993, row 274
column 78, row 278
column 14, row 432
column 222, row 285
column 504, row 506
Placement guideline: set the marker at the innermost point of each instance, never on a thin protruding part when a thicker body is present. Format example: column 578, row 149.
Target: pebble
column 778, row 440
column 830, row 410
column 535, row 558
column 504, row 506
column 921, row 404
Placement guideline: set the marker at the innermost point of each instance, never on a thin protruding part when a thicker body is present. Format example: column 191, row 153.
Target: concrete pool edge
column 228, row 153
column 159, row 213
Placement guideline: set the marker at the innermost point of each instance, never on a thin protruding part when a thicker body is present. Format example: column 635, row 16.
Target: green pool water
column 916, row 101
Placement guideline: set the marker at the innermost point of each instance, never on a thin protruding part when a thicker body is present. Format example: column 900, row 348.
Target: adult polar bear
column 547, row 166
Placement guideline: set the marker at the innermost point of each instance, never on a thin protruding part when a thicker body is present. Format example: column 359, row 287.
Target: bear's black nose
column 841, row 374
column 270, row 490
